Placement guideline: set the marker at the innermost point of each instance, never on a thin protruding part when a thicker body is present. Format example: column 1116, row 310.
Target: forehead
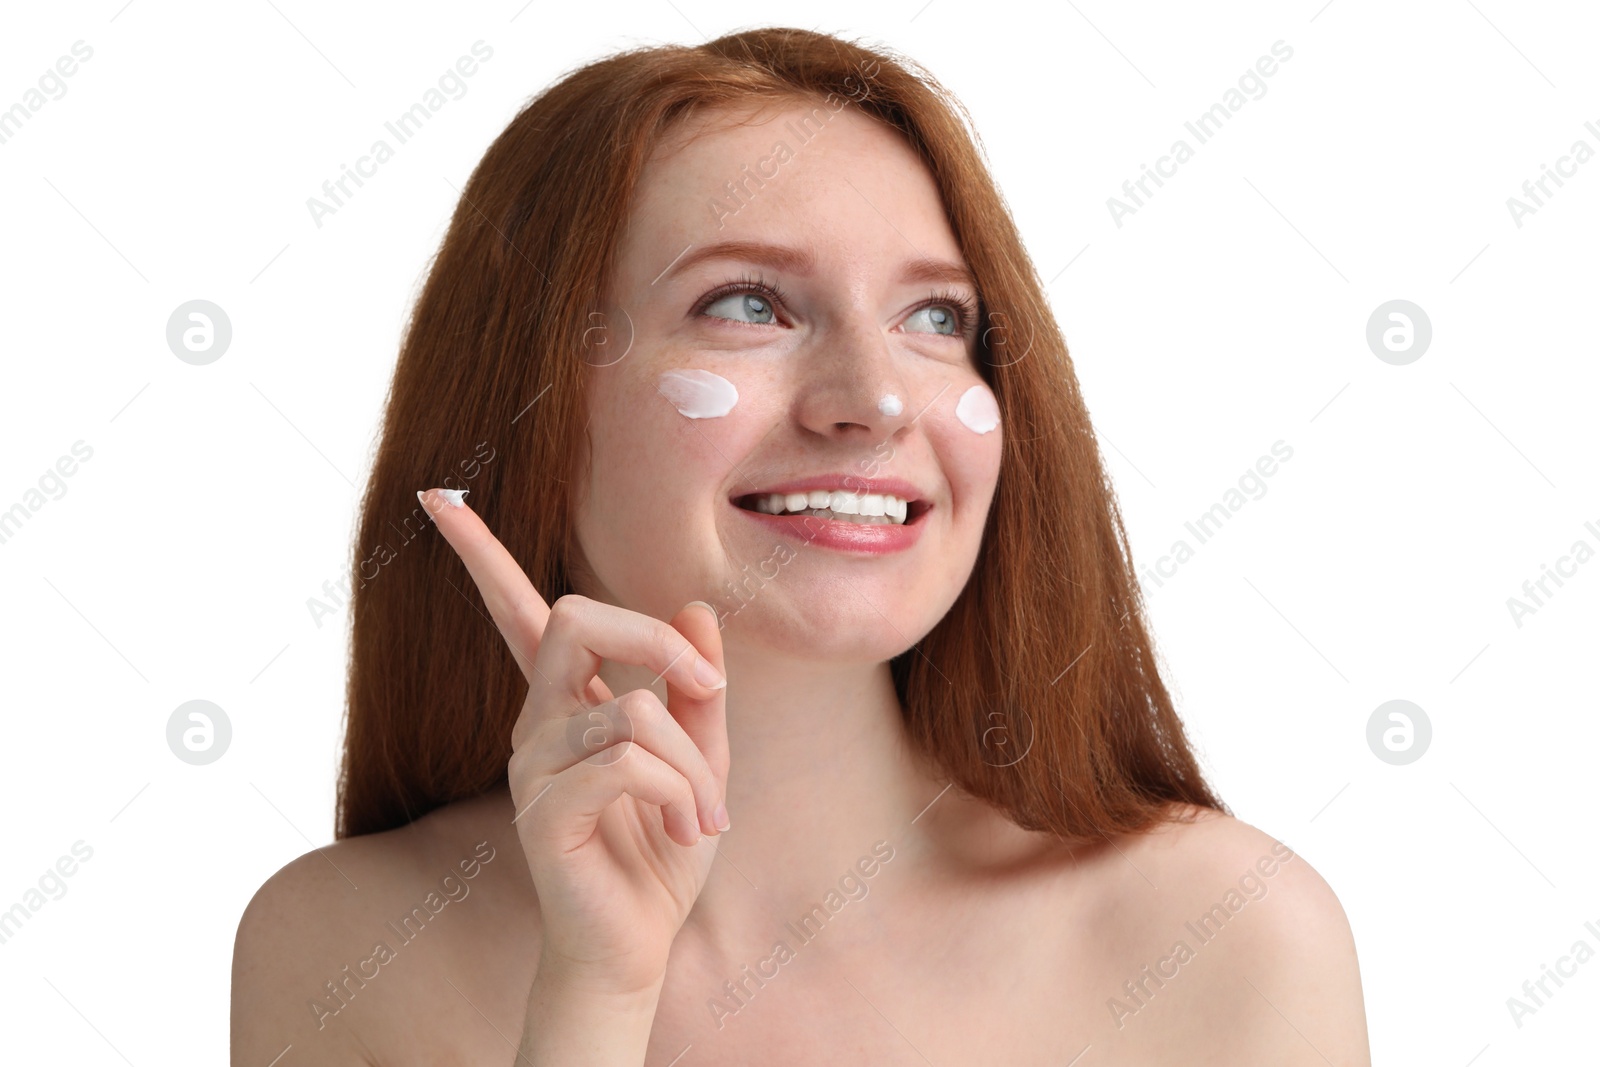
column 798, row 120
column 796, row 171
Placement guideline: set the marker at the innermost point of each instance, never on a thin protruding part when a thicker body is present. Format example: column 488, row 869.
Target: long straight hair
column 1037, row 692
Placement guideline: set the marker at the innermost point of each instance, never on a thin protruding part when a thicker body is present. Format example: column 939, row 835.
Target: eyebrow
column 802, row 261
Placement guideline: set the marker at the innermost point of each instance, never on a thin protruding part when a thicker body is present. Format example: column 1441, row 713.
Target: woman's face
column 710, row 387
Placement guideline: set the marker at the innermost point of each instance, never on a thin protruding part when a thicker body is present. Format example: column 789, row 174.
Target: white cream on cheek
column 977, row 409
column 698, row 394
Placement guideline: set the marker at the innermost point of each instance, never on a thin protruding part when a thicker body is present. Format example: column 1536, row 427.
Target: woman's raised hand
column 612, row 794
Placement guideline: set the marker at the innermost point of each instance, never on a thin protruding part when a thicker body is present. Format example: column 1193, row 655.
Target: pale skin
column 977, row 942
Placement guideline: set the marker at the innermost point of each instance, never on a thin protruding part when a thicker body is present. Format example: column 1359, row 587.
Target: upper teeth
column 838, row 500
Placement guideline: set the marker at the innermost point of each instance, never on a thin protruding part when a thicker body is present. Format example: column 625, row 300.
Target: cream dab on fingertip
column 977, row 409
column 453, row 497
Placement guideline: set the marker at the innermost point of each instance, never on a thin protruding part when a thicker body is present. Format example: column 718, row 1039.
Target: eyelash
column 966, row 307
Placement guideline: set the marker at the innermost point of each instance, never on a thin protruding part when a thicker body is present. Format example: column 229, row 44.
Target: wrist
column 575, row 1016
column 570, row 978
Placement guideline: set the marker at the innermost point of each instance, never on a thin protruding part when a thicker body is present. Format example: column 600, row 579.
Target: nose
column 852, row 389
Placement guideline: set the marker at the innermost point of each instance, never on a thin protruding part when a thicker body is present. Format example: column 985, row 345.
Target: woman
column 748, row 325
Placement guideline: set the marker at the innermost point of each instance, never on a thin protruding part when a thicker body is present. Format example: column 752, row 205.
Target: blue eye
column 752, row 301
column 945, row 320
column 742, row 303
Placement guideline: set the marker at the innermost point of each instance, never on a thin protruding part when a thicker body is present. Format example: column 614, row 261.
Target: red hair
column 1037, row 692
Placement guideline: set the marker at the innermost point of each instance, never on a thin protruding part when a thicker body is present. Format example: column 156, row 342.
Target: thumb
column 705, row 720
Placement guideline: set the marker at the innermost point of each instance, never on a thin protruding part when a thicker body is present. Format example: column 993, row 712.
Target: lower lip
column 871, row 538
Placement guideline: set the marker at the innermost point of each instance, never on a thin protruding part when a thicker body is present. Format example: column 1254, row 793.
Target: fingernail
column 707, row 675
column 452, row 497
column 709, row 608
column 719, row 818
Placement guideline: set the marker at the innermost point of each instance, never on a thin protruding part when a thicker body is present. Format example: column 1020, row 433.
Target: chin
column 825, row 629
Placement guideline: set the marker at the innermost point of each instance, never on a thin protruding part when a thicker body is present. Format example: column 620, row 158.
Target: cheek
column 686, row 426
column 972, row 441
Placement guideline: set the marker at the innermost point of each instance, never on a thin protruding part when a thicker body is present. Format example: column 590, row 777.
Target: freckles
column 698, row 394
column 977, row 409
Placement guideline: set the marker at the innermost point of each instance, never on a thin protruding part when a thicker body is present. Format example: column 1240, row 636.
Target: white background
column 1228, row 313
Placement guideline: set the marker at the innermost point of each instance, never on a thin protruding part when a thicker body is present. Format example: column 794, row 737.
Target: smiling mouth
column 862, row 509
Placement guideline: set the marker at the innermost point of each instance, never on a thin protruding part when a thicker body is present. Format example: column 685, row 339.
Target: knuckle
column 623, row 754
column 566, row 609
column 525, row 782
column 641, row 705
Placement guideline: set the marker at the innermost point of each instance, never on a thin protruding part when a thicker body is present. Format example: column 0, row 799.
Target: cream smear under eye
column 698, row 394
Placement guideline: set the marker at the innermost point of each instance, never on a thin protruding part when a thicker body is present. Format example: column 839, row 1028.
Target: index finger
column 519, row 612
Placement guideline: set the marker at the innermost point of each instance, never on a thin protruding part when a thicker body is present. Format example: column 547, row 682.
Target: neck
column 820, row 772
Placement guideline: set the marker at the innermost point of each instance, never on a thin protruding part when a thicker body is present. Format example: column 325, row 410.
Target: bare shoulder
column 1229, row 940
column 1202, row 845
column 330, row 952
column 296, row 933
column 1216, row 860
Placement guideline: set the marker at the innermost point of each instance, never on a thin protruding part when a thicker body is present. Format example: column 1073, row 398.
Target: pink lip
column 871, row 538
